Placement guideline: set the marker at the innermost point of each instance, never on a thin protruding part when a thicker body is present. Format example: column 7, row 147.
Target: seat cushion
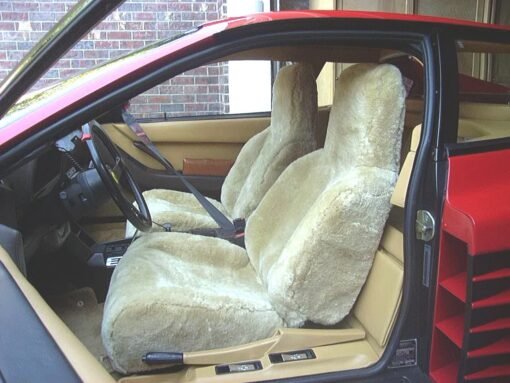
column 180, row 292
column 181, row 210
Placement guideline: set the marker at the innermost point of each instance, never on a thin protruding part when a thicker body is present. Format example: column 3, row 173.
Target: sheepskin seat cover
column 183, row 292
column 261, row 160
column 309, row 244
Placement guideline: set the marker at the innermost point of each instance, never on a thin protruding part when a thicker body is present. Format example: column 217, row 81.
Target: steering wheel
column 115, row 176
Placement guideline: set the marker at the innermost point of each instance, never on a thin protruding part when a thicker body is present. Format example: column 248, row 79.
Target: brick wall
column 133, row 25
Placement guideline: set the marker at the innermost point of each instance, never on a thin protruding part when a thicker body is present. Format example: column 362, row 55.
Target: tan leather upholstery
column 399, row 195
column 176, row 140
column 377, row 305
column 206, row 167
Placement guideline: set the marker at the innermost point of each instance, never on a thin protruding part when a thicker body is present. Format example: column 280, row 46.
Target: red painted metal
column 495, row 325
column 499, row 299
column 453, row 328
column 491, row 372
column 475, row 222
column 449, row 309
column 17, row 125
column 476, row 209
column 498, row 274
column 446, row 374
column 499, row 347
column 456, row 285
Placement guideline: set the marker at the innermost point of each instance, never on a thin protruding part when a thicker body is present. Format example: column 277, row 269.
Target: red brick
column 144, row 16
column 133, row 26
column 25, row 6
column 155, row 7
column 106, row 44
column 97, row 53
column 159, row 99
column 183, row 98
column 7, row 64
column 42, row 16
column 7, row 26
column 206, row 80
column 108, row 25
column 183, row 80
column 15, row 16
column 144, row 35
column 119, row 35
column 180, row 7
column 192, row 16
column 53, row 7
column 208, row 98
column 195, row 107
column 130, row 44
column 194, row 89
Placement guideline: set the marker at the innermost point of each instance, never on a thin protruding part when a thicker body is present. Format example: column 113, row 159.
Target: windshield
column 32, row 100
column 47, row 92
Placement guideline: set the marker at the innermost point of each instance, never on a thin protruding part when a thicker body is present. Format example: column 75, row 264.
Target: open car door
column 32, row 336
column 74, row 25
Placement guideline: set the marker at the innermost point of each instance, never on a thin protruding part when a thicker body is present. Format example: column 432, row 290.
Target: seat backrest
column 314, row 235
column 377, row 316
column 266, row 155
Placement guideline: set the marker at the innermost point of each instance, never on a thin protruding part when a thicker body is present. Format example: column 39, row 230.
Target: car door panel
column 214, row 139
column 34, row 338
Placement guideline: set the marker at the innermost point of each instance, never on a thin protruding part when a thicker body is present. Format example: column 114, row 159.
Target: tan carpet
column 106, row 232
column 82, row 314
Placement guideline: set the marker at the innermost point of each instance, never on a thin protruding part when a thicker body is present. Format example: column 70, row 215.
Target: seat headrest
column 366, row 116
column 294, row 91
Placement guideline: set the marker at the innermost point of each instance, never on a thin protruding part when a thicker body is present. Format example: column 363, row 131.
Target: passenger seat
column 263, row 158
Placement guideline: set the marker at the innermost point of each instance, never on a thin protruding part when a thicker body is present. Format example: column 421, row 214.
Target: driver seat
column 262, row 159
column 309, row 244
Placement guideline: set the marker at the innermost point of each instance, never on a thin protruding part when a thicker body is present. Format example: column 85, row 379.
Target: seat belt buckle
column 239, row 225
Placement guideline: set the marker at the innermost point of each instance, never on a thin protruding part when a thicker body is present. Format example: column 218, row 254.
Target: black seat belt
column 227, row 229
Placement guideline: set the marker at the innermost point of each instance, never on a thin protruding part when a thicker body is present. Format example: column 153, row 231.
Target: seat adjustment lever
column 166, row 358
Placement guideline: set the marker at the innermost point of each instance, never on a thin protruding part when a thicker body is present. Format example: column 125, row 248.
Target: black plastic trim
column 207, row 117
column 28, row 352
column 460, row 149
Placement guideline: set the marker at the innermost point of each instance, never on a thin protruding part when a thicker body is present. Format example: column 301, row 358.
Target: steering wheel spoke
column 115, row 175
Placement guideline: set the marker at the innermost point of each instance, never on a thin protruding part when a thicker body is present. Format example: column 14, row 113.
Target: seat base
column 203, row 294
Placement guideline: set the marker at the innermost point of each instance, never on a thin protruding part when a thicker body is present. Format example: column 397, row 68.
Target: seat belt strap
column 227, row 228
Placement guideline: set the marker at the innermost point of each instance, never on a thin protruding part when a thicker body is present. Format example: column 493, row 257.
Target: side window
column 484, row 90
column 223, row 88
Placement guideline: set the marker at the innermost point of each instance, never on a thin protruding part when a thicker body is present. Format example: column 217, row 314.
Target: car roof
column 236, row 22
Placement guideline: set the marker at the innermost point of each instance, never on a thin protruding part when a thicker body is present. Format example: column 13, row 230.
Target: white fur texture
column 182, row 292
column 309, row 244
column 261, row 160
column 314, row 235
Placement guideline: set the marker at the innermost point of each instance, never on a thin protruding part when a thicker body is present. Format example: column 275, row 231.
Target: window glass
column 484, row 90
column 222, row 88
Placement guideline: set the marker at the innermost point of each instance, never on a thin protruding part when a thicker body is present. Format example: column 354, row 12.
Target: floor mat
column 106, row 232
column 82, row 314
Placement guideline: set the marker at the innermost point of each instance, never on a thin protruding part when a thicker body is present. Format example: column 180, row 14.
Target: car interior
column 322, row 191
